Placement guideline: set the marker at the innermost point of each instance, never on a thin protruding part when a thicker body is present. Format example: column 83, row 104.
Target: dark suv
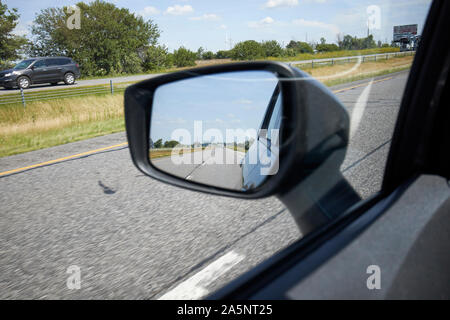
column 40, row 70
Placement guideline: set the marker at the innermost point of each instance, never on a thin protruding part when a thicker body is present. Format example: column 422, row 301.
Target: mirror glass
column 221, row 130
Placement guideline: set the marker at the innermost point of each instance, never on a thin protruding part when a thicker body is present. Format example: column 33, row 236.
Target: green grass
column 334, row 54
column 335, row 74
column 20, row 143
column 53, row 122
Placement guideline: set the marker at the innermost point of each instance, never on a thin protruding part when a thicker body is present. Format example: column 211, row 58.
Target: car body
column 251, row 177
column 40, row 70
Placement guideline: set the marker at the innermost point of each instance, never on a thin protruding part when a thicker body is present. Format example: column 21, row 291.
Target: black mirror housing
column 315, row 125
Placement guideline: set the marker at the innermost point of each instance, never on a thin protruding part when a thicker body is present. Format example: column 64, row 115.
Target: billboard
column 404, row 31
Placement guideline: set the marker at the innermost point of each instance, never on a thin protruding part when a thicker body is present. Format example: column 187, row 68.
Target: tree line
column 113, row 40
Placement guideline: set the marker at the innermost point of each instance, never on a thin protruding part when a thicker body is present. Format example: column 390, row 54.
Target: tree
column 327, row 47
column 158, row 143
column 322, row 40
column 288, row 52
column 155, row 58
column 223, row 54
column 184, row 57
column 247, row 50
column 368, row 43
column 199, row 53
column 208, row 55
column 271, row 48
column 354, row 43
column 170, row 144
column 300, row 47
column 108, row 42
column 10, row 44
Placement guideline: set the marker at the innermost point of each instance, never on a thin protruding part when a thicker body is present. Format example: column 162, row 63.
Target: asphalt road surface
column 215, row 166
column 134, row 237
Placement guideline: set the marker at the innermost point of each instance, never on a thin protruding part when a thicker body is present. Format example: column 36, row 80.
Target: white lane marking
column 358, row 109
column 194, row 287
column 189, row 177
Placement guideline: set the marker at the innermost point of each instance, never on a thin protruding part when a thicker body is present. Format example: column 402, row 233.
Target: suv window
column 41, row 64
column 62, row 61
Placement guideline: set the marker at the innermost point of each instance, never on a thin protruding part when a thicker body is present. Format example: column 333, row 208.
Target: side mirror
column 32, row 68
column 247, row 130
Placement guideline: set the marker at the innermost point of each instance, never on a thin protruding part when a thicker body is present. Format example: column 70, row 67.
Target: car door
column 40, row 72
column 266, row 144
column 394, row 245
column 55, row 69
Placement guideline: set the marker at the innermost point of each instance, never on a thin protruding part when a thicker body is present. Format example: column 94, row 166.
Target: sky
column 217, row 25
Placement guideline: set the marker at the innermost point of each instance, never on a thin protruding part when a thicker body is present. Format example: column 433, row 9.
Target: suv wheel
column 69, row 78
column 23, row 82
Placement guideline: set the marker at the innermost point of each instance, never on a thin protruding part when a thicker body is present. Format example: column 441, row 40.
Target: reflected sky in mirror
column 223, row 101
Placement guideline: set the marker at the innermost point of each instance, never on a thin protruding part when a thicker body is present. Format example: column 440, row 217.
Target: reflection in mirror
column 222, row 130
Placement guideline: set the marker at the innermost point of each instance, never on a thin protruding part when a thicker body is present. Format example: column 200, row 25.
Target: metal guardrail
column 364, row 58
column 23, row 97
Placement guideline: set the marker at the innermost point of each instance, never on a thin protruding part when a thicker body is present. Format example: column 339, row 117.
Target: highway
column 217, row 166
column 136, row 238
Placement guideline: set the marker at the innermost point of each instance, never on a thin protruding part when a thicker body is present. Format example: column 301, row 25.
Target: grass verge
column 54, row 122
column 341, row 73
column 155, row 153
column 335, row 54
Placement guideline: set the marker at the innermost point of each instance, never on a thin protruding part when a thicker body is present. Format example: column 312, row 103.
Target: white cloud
column 178, row 10
column 243, row 101
column 207, row 17
column 149, row 11
column 316, row 24
column 267, row 21
column 280, row 3
column 177, row 121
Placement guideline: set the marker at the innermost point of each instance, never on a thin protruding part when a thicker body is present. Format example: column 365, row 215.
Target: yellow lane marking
column 125, row 143
column 362, row 85
column 62, row 159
